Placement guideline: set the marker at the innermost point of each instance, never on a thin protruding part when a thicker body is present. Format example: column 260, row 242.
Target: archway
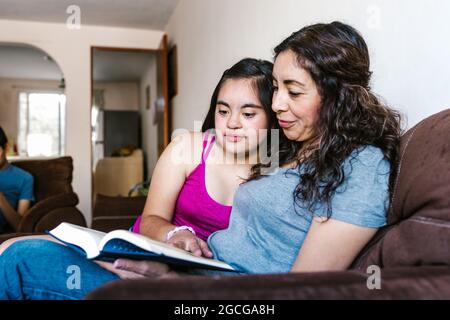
column 32, row 102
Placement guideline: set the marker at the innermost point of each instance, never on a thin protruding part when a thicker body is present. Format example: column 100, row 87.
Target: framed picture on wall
column 173, row 71
column 147, row 97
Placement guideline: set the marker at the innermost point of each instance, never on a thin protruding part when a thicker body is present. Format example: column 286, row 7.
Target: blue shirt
column 267, row 229
column 15, row 184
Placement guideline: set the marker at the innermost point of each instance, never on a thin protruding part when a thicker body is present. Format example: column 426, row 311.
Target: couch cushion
column 51, row 176
column 111, row 213
column 419, row 216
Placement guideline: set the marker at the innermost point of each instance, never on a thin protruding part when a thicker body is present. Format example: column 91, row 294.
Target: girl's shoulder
column 189, row 146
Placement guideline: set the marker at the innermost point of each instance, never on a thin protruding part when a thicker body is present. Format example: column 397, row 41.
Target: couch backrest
column 51, row 176
column 419, row 217
column 111, row 213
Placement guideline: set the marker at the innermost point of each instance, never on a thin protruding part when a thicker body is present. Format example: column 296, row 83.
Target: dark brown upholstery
column 397, row 283
column 413, row 250
column 51, row 177
column 419, row 217
column 55, row 201
column 111, row 213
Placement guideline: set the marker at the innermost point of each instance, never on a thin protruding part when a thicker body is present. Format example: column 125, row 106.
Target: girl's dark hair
column 350, row 115
column 3, row 139
column 248, row 68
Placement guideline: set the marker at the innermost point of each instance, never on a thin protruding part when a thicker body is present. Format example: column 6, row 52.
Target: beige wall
column 149, row 130
column 9, row 100
column 71, row 51
column 120, row 95
column 407, row 40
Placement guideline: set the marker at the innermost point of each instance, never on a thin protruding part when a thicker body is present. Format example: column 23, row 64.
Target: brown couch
column 55, row 201
column 111, row 213
column 413, row 251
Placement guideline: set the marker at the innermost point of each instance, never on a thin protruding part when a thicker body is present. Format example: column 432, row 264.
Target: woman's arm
column 331, row 246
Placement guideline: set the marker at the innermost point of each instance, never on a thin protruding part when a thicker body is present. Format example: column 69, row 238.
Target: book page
column 161, row 248
column 87, row 239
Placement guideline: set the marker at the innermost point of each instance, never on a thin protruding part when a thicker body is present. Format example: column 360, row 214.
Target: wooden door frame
column 166, row 112
column 164, row 51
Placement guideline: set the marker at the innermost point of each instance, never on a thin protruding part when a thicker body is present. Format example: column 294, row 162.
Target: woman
column 331, row 192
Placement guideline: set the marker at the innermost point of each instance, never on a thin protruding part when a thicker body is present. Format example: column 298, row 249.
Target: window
column 42, row 124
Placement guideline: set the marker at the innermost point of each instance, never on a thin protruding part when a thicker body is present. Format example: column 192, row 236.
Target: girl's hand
column 185, row 240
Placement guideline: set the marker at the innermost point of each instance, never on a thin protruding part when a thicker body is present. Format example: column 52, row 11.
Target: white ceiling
column 142, row 14
column 26, row 62
column 120, row 66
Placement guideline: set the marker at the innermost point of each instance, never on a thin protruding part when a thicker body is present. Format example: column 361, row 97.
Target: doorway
column 129, row 116
column 32, row 102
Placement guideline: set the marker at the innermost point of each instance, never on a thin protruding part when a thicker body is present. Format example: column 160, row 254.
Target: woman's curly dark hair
column 350, row 116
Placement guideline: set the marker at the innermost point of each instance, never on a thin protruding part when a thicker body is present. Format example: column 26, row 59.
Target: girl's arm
column 167, row 180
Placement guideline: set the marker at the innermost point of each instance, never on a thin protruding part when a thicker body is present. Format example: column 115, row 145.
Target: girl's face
column 239, row 117
column 296, row 99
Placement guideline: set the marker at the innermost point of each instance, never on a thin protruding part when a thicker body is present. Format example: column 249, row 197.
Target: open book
column 125, row 244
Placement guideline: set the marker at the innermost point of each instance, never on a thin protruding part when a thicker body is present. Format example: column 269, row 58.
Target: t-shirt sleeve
column 363, row 198
column 26, row 191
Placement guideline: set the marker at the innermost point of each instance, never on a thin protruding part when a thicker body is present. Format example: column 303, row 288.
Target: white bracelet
column 171, row 233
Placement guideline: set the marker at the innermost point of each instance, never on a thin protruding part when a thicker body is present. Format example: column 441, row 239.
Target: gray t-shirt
column 266, row 231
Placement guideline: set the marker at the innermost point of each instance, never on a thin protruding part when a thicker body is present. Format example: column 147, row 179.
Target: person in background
column 16, row 189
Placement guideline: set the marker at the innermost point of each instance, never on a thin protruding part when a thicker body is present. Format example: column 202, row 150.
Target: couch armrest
column 399, row 283
column 42, row 208
column 55, row 217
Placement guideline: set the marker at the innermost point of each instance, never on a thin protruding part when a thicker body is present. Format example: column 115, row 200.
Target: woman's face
column 239, row 117
column 296, row 99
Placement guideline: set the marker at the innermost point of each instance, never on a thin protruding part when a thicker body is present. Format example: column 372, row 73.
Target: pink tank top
column 194, row 206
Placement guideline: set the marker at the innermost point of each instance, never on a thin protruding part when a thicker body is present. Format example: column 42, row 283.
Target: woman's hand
column 185, row 240
column 133, row 269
